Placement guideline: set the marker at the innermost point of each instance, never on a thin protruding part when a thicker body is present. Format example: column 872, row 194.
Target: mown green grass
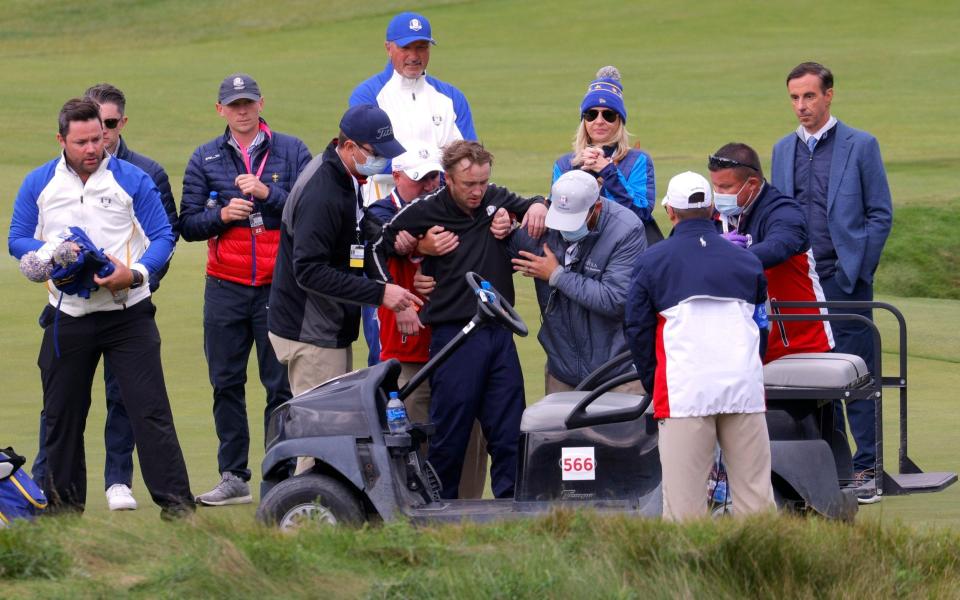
column 562, row 555
column 697, row 75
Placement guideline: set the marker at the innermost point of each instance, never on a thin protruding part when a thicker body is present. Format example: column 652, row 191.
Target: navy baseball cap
column 407, row 28
column 368, row 124
column 236, row 87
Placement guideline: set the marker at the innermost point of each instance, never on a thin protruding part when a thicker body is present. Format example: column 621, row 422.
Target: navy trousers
column 234, row 319
column 855, row 338
column 481, row 381
column 117, row 438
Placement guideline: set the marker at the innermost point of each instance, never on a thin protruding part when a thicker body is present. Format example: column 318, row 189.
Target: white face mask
column 727, row 203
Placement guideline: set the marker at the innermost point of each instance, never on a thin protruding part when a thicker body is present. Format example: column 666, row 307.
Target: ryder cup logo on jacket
column 415, row 25
column 437, row 120
column 238, row 83
column 491, row 209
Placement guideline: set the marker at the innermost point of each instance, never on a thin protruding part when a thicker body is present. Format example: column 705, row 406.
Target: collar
column 122, row 149
column 356, row 182
column 102, row 167
column 692, row 227
column 804, row 136
column 406, row 83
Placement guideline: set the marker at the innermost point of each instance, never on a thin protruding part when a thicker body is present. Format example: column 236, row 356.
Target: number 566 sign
column 578, row 464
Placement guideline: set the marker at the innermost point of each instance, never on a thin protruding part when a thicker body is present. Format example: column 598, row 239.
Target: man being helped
column 415, row 173
column 251, row 169
column 118, row 433
column 318, row 283
column 582, row 269
column 756, row 216
column 836, row 174
column 482, row 379
column 694, row 318
column 119, row 209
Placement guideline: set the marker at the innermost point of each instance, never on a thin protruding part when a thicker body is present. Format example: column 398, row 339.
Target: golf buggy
column 590, row 448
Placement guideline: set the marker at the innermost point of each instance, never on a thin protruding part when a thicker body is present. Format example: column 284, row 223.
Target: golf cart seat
column 550, row 413
column 816, row 370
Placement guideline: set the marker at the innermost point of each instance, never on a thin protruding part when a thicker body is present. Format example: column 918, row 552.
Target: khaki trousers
column 474, row 476
column 553, row 385
column 686, row 456
column 307, row 365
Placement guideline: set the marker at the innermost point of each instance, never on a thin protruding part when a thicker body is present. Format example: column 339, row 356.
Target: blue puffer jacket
column 582, row 312
column 631, row 183
column 234, row 253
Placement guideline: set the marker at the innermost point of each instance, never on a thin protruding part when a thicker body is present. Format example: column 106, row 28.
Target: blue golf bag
column 20, row 496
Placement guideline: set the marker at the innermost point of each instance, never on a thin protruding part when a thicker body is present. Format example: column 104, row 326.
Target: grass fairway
column 696, row 75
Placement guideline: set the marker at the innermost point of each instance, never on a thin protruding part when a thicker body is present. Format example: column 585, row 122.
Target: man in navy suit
column 836, row 174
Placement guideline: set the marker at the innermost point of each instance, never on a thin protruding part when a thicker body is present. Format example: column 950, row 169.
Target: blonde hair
column 582, row 139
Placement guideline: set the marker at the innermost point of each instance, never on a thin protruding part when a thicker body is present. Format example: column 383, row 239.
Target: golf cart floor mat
column 816, row 370
column 917, row 483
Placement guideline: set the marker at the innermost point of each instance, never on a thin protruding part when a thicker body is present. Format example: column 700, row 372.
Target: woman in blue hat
column 602, row 148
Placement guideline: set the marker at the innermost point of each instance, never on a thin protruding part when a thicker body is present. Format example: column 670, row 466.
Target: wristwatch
column 137, row 279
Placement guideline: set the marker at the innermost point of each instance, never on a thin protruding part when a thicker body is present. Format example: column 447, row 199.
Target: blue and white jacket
column 693, row 323
column 630, row 183
column 424, row 112
column 118, row 207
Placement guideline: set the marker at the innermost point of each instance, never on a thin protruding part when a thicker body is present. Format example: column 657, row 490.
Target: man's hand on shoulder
column 534, row 220
column 397, row 298
column 502, row 224
column 404, row 244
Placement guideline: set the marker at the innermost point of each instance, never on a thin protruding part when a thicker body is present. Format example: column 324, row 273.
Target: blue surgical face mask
column 374, row 165
column 576, row 236
column 727, row 203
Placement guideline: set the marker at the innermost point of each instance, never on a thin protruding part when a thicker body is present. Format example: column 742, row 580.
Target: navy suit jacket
column 859, row 207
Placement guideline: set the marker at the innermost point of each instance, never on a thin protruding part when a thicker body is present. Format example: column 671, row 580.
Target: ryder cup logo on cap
column 688, row 190
column 408, row 27
column 418, row 162
column 238, row 86
column 572, row 196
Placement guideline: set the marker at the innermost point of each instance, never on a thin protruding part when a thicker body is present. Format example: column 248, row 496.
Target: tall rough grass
column 562, row 555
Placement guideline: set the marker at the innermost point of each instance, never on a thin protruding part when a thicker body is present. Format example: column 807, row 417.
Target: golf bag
column 20, row 496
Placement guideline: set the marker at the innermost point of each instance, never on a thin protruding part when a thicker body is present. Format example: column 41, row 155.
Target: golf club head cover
column 73, row 271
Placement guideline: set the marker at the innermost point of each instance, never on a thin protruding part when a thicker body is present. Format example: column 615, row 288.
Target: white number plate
column 578, row 464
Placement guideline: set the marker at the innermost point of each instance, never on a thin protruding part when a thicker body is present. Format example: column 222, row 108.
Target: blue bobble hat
column 607, row 91
column 408, row 27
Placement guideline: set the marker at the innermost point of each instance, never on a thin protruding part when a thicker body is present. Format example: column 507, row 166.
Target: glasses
column 111, row 123
column 722, row 162
column 591, row 115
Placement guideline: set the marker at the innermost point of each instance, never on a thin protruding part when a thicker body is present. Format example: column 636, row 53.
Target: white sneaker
column 120, row 497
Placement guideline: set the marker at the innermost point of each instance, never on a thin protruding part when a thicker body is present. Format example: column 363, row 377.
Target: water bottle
column 397, row 421
column 213, row 200
column 486, row 292
column 720, row 492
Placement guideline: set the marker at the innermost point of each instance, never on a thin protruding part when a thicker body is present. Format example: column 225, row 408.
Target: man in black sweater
column 482, row 380
column 318, row 283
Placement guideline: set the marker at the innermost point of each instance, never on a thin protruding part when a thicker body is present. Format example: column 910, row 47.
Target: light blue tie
column 811, row 143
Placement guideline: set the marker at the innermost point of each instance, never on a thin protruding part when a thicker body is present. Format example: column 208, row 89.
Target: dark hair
column 742, row 154
column 77, row 109
column 812, row 68
column 458, row 150
column 104, row 93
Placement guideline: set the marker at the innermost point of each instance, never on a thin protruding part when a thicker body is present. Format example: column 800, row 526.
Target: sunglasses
column 111, row 123
column 591, row 115
column 721, row 162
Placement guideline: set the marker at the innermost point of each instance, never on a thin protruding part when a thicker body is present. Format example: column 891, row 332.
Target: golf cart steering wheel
column 491, row 304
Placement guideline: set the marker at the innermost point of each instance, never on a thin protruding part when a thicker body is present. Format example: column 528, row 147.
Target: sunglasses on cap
column 721, row 162
column 591, row 115
column 111, row 123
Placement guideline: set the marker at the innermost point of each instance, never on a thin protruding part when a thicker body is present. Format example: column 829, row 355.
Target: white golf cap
column 572, row 196
column 418, row 162
column 683, row 186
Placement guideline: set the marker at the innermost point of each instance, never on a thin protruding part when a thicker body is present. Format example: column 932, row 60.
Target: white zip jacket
column 118, row 207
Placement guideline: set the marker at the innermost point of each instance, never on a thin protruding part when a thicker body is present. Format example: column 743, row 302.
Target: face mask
column 727, row 203
column 374, row 165
column 576, row 236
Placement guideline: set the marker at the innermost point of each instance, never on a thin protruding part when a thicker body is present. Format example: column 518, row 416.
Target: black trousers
column 131, row 342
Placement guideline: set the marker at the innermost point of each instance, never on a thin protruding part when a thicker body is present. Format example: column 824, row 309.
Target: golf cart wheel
column 310, row 498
